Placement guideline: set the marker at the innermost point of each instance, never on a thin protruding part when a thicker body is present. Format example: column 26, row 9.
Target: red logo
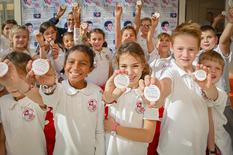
column 28, row 114
column 92, row 104
column 139, row 108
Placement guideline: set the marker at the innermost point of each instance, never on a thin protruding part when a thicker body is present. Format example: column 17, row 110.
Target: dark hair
column 135, row 50
column 128, row 23
column 164, row 23
column 89, row 22
column 129, row 28
column 84, row 49
column 9, row 21
column 28, row 24
column 107, row 23
column 96, row 30
column 67, row 34
column 208, row 28
column 211, row 56
column 19, row 59
column 45, row 25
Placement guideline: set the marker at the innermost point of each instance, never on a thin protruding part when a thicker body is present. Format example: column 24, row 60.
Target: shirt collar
column 72, row 91
column 177, row 68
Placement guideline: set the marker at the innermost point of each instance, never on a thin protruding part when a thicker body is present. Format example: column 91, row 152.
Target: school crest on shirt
column 139, row 108
column 92, row 104
column 28, row 113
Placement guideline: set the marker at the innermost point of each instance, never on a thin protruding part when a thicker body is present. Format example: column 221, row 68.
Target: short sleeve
column 151, row 114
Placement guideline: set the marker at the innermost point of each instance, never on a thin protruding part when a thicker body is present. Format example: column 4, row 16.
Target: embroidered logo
column 139, row 108
column 92, row 105
column 28, row 114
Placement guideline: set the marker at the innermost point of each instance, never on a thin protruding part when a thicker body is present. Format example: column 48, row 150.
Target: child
column 184, row 128
column 158, row 67
column 21, row 118
column 209, row 41
column 19, row 36
column 132, row 122
column 215, row 63
column 103, row 58
column 53, row 50
column 77, row 105
column 163, row 46
column 68, row 40
column 4, row 38
column 127, row 34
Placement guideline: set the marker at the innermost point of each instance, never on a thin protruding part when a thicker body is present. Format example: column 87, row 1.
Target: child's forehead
column 209, row 32
column 21, row 32
column 68, row 36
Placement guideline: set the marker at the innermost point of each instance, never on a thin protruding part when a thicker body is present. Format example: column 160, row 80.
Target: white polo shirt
column 100, row 73
column 129, row 111
column 23, row 123
column 78, row 118
column 143, row 43
column 158, row 66
column 222, row 138
column 185, row 126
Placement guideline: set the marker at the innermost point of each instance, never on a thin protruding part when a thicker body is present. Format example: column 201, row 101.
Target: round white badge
column 75, row 4
column 3, row 69
column 63, row 7
column 152, row 93
column 224, row 13
column 200, row 75
column 121, row 81
column 156, row 15
column 139, row 2
column 40, row 66
column 51, row 42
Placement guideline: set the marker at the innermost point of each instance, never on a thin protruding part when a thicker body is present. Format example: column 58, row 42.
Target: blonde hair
column 187, row 28
column 136, row 51
column 18, row 29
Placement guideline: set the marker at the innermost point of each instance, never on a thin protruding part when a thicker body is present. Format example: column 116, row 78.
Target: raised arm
column 138, row 16
column 60, row 13
column 118, row 37
column 149, row 41
column 225, row 38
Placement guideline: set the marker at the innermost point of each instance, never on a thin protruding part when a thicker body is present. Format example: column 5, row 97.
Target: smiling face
column 50, row 34
column 96, row 41
column 185, row 48
column 20, row 40
column 68, row 41
column 216, row 69
column 77, row 67
column 6, row 30
column 208, row 40
column 163, row 45
column 128, row 36
column 133, row 66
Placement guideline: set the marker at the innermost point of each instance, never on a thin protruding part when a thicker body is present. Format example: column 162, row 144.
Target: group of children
column 76, row 109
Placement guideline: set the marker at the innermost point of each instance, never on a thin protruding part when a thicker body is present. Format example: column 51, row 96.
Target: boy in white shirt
column 215, row 63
